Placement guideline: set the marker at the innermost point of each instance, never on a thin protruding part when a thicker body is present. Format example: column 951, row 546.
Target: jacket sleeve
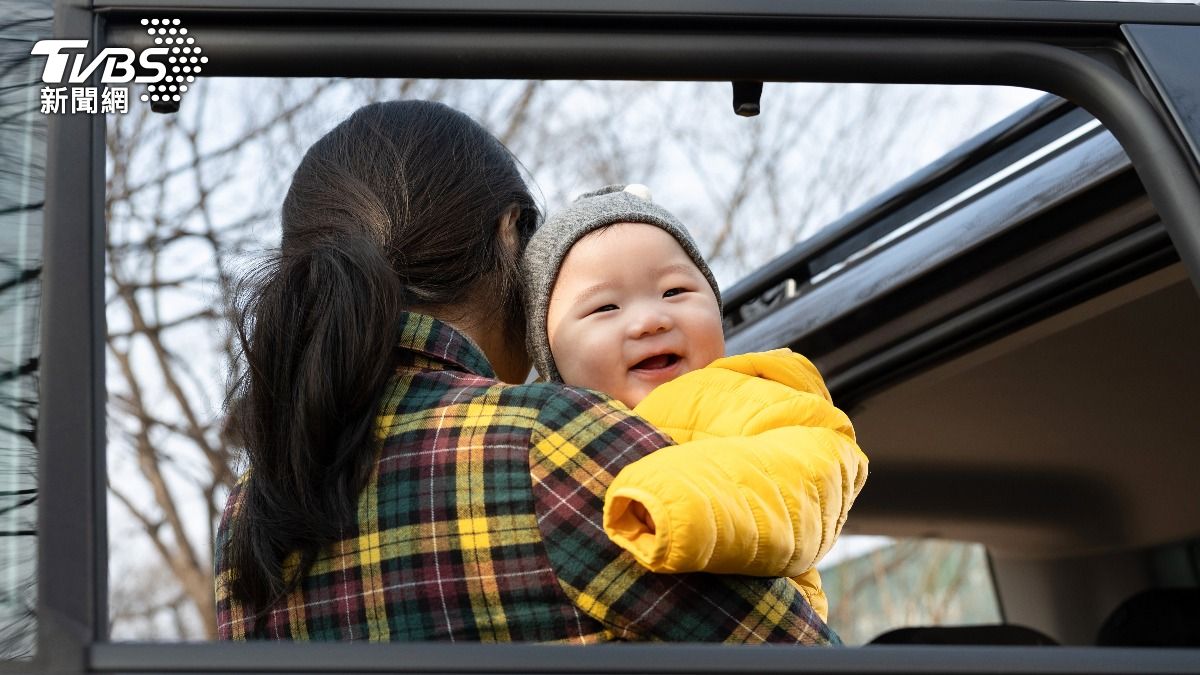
column 580, row 441
column 761, row 483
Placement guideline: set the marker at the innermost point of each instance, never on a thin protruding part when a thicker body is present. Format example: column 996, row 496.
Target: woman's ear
column 508, row 227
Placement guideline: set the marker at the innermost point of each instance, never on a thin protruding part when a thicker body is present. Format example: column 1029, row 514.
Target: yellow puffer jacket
column 765, row 473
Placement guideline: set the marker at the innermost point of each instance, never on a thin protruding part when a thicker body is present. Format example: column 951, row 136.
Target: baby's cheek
column 577, row 371
column 715, row 351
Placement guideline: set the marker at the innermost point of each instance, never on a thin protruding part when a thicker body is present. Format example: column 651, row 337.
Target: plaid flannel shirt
column 482, row 521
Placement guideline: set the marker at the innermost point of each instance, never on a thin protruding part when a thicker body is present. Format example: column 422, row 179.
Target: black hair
column 398, row 207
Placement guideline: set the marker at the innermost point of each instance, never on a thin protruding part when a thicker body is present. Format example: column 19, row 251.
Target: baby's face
column 629, row 311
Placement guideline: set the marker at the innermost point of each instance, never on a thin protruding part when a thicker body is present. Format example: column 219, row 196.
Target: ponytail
column 317, row 339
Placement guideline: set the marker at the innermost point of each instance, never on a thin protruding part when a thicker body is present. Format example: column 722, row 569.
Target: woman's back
column 481, row 521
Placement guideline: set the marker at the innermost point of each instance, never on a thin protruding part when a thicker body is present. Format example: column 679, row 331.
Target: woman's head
column 426, row 186
column 405, row 205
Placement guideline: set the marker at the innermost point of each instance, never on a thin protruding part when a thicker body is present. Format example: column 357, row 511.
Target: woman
column 402, row 484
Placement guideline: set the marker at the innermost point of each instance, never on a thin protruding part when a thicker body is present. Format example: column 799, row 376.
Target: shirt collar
column 442, row 346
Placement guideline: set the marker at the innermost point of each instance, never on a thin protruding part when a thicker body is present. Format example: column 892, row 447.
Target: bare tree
column 912, row 582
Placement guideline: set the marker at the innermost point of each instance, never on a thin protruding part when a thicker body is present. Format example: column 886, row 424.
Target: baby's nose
column 650, row 322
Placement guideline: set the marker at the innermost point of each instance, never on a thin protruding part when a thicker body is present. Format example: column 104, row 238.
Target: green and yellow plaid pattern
column 482, row 522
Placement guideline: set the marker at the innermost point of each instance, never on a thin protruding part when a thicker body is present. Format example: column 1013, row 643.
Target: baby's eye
column 604, row 308
column 674, row 291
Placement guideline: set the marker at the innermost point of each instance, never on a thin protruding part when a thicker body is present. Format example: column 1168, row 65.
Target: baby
column 765, row 468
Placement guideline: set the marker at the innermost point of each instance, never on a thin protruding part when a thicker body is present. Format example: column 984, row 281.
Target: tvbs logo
column 167, row 68
column 117, row 61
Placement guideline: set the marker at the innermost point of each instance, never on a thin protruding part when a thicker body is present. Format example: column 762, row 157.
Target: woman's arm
column 581, row 441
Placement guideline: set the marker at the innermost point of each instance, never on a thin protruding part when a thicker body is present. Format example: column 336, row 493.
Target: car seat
column 984, row 634
column 1159, row 617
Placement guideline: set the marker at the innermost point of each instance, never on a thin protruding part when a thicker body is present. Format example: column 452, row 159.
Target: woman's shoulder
column 579, row 410
column 554, row 398
column 540, row 409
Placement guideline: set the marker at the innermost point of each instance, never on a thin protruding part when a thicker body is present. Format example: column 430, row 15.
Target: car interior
column 1055, row 425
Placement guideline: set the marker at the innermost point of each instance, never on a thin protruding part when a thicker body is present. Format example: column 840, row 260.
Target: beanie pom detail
column 638, row 190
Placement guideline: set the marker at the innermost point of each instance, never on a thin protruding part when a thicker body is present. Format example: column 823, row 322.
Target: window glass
column 875, row 584
column 193, row 199
column 23, row 162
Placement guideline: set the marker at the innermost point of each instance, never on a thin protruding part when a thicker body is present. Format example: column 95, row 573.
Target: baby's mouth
column 657, row 362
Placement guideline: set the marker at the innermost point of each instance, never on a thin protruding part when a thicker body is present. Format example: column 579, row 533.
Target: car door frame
column 1077, row 50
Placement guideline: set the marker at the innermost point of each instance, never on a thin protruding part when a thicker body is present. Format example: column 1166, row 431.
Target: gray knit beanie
column 554, row 239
